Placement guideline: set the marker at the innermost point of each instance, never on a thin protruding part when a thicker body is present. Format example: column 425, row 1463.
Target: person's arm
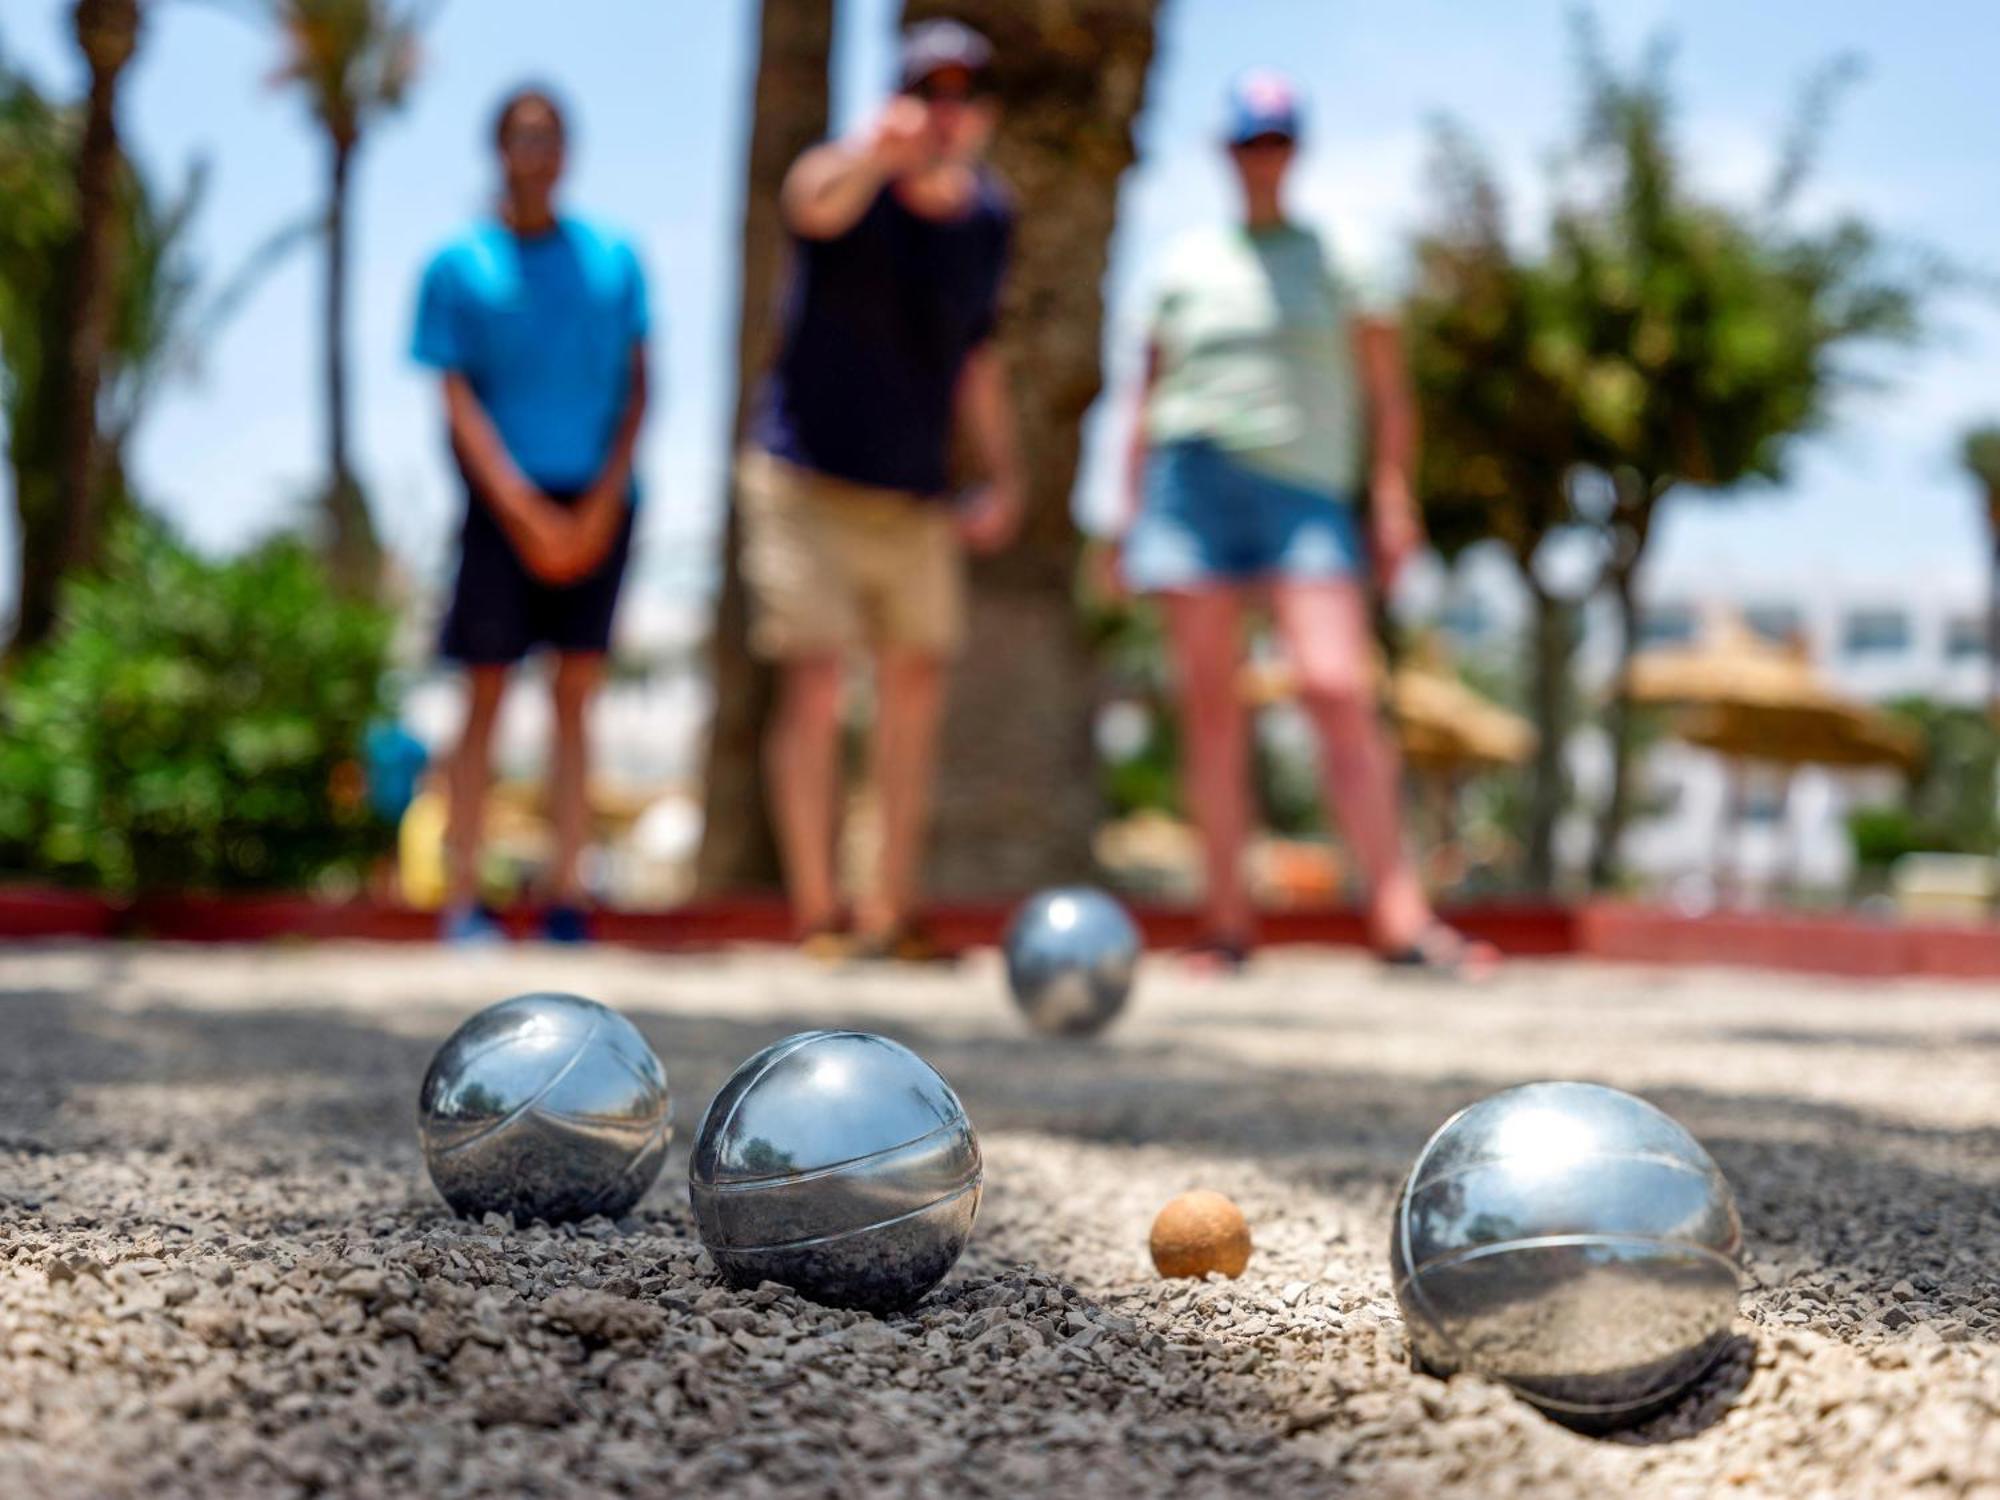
column 986, row 408
column 1392, row 427
column 1107, row 561
column 1138, row 446
column 602, row 510
column 541, row 532
column 830, row 187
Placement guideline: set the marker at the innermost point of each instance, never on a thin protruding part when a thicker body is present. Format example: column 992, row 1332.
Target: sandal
column 900, row 945
column 1441, row 952
column 824, row 941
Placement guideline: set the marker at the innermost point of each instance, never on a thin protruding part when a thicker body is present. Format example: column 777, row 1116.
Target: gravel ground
column 222, row 1270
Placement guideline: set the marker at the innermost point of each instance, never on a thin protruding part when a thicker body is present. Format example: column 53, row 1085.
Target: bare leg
column 1204, row 631
column 1325, row 629
column 801, row 771
column 466, row 784
column 909, row 692
column 577, row 677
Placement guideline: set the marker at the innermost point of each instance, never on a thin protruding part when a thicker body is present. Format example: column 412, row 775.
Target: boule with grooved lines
column 1071, row 954
column 545, row 1107
column 839, row 1164
column 1573, row 1242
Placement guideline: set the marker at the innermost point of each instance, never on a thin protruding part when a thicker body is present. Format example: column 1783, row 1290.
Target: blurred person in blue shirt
column 536, row 322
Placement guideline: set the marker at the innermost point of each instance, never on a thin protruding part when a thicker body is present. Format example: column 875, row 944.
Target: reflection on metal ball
column 1071, row 954
column 1573, row 1242
column 839, row 1164
column 545, row 1107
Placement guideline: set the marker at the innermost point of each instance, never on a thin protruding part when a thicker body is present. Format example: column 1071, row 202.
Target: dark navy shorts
column 1208, row 518
column 500, row 611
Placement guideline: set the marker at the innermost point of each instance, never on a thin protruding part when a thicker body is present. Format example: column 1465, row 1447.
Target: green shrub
column 1949, row 807
column 193, row 724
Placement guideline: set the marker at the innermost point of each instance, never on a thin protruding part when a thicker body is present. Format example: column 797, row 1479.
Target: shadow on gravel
column 1711, row 1399
column 1856, row 1225
column 1887, row 1041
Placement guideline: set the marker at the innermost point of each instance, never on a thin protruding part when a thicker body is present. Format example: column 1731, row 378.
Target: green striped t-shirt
column 1255, row 333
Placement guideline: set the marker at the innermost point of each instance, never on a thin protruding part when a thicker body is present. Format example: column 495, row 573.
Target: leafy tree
column 1656, row 343
column 1949, row 807
column 151, row 292
column 354, row 62
column 1980, row 453
column 65, row 214
column 107, row 34
column 1712, row 337
column 162, row 314
column 788, row 113
column 1495, row 356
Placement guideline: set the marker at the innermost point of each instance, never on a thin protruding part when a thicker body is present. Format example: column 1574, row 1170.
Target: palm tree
column 107, row 33
column 794, row 45
column 354, row 60
column 1980, row 453
column 1018, row 791
column 162, row 313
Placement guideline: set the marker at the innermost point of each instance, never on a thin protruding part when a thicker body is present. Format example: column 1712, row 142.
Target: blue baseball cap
column 1264, row 102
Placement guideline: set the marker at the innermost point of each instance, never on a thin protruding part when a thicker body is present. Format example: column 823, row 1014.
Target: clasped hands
column 562, row 544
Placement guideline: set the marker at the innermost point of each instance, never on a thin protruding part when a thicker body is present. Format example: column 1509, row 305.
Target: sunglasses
column 936, row 91
column 532, row 138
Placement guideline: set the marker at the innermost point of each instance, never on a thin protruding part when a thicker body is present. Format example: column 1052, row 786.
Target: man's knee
column 914, row 673
column 809, row 692
column 576, row 682
column 486, row 687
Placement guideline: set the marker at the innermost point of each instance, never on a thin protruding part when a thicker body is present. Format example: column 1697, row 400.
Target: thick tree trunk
column 353, row 551
column 1993, row 650
column 1638, row 500
column 795, row 43
column 1551, row 648
column 107, row 33
column 1618, row 724
column 1017, row 795
column 34, row 452
column 1993, row 619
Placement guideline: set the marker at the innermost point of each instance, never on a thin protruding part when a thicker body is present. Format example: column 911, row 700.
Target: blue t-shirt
column 875, row 329
column 542, row 326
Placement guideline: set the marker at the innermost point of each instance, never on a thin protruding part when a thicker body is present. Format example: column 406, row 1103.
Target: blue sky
column 660, row 91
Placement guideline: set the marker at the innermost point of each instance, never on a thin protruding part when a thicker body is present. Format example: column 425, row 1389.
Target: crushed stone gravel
column 223, row 1272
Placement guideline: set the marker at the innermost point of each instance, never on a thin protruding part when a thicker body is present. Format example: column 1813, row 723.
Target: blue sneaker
column 563, row 923
column 470, row 927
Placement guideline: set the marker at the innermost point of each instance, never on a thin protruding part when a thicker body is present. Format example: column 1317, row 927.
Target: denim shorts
column 1208, row 518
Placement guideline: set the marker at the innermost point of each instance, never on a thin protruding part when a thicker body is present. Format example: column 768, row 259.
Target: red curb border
column 1842, row 946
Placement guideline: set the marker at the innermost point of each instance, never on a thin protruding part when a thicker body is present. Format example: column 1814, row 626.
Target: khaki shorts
column 832, row 566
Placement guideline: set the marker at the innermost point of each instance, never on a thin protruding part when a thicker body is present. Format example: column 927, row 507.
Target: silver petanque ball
column 1573, row 1242
column 545, row 1107
column 1071, row 954
column 839, row 1164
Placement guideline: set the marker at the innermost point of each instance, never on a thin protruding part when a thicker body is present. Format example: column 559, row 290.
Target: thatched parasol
column 1748, row 699
column 1443, row 726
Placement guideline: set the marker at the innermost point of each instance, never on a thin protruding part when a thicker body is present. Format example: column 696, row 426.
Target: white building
column 1872, row 639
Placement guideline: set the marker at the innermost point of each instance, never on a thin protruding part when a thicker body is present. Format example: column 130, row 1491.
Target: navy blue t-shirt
column 875, row 329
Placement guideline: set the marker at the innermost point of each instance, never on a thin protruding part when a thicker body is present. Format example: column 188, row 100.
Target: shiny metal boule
column 839, row 1164
column 545, row 1107
column 1071, row 955
column 1573, row 1242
